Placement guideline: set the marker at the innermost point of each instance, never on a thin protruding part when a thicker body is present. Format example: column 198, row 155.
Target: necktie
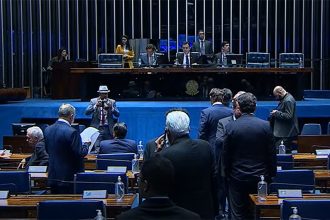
column 150, row 60
column 202, row 48
column 187, row 60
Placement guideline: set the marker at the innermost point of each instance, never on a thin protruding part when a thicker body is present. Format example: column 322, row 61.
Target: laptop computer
column 234, row 60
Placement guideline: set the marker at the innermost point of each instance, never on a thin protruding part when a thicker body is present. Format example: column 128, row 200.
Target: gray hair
column 36, row 132
column 177, row 122
column 66, row 110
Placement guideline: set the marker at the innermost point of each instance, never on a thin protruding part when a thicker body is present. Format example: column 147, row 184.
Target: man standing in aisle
column 284, row 118
column 65, row 150
column 104, row 114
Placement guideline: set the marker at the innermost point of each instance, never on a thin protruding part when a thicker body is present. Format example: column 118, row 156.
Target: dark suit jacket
column 284, row 121
column 195, row 176
column 207, row 44
column 39, row 156
column 118, row 146
column 66, row 153
column 149, row 150
column 158, row 208
column 248, row 149
column 193, row 58
column 209, row 121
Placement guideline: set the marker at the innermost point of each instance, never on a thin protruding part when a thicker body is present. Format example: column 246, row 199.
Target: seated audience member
column 155, row 189
column 119, row 144
column 150, row 58
column 35, row 138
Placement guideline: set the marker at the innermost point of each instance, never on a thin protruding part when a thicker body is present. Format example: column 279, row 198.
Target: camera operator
column 104, row 114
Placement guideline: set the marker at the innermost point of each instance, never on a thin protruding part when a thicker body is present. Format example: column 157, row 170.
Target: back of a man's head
column 177, row 123
column 120, row 130
column 66, row 110
column 216, row 95
column 227, row 96
column 158, row 172
column 247, row 102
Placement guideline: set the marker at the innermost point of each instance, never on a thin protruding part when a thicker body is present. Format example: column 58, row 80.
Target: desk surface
column 195, row 69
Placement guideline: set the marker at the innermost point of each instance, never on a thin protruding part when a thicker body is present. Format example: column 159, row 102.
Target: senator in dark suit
column 203, row 46
column 220, row 58
column 149, row 58
column 248, row 153
column 119, row 144
column 187, row 58
column 35, row 139
column 65, row 150
column 210, row 117
column 155, row 188
column 195, row 173
column 284, row 118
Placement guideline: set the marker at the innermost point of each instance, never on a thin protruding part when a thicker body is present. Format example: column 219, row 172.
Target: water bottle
column 119, row 189
column 140, row 149
column 99, row 215
column 139, row 62
column 281, row 148
column 262, row 189
column 219, row 62
column 295, row 215
column 301, row 63
column 135, row 164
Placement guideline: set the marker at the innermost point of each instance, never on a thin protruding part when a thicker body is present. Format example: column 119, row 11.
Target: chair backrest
column 285, row 161
column 293, row 179
column 117, row 159
column 69, row 209
column 307, row 209
column 257, row 59
column 311, row 129
column 98, row 181
column 15, row 181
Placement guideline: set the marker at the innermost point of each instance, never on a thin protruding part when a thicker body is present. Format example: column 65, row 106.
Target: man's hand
column 160, row 142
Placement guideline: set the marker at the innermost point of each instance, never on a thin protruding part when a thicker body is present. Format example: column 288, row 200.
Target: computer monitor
column 21, row 128
column 110, row 60
column 234, row 60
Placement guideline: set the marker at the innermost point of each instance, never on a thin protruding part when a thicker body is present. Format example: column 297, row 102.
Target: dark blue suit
column 209, row 122
column 66, row 156
column 248, row 152
column 118, row 146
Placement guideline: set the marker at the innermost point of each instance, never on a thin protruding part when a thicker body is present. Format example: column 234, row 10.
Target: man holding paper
column 66, row 151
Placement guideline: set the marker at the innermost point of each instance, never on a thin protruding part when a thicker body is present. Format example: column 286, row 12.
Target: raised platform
column 146, row 120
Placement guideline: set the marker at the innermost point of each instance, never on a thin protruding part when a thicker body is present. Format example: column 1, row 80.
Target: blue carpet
column 145, row 119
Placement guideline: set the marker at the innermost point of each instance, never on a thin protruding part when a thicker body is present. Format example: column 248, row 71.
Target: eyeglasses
column 185, row 47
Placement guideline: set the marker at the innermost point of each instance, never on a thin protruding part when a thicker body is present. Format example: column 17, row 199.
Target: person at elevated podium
column 204, row 47
column 149, row 58
column 120, row 144
column 35, row 138
column 186, row 58
column 128, row 53
column 66, row 151
column 104, row 113
column 220, row 58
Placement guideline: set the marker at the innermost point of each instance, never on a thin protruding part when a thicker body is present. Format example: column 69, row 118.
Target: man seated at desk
column 35, row 138
column 186, row 58
column 150, row 58
column 119, row 144
column 204, row 47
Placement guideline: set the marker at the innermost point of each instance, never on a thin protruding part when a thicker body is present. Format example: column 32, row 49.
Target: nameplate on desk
column 116, row 169
column 4, row 194
column 290, row 193
column 279, row 168
column 95, row 194
column 37, row 169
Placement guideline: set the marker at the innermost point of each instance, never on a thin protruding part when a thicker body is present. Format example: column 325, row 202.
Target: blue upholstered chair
column 293, row 179
column 118, row 159
column 311, row 129
column 15, row 181
column 307, row 209
column 69, row 209
column 98, row 181
column 285, row 161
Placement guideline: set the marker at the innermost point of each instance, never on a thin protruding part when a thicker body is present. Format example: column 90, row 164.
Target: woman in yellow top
column 127, row 51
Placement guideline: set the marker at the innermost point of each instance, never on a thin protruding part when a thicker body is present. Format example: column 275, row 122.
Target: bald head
column 279, row 92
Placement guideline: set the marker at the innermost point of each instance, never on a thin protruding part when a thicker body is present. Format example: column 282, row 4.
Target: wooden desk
column 271, row 207
column 322, row 180
column 306, row 142
column 12, row 162
column 25, row 206
column 18, row 144
column 309, row 161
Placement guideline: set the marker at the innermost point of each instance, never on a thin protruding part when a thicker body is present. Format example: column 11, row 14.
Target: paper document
column 90, row 134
